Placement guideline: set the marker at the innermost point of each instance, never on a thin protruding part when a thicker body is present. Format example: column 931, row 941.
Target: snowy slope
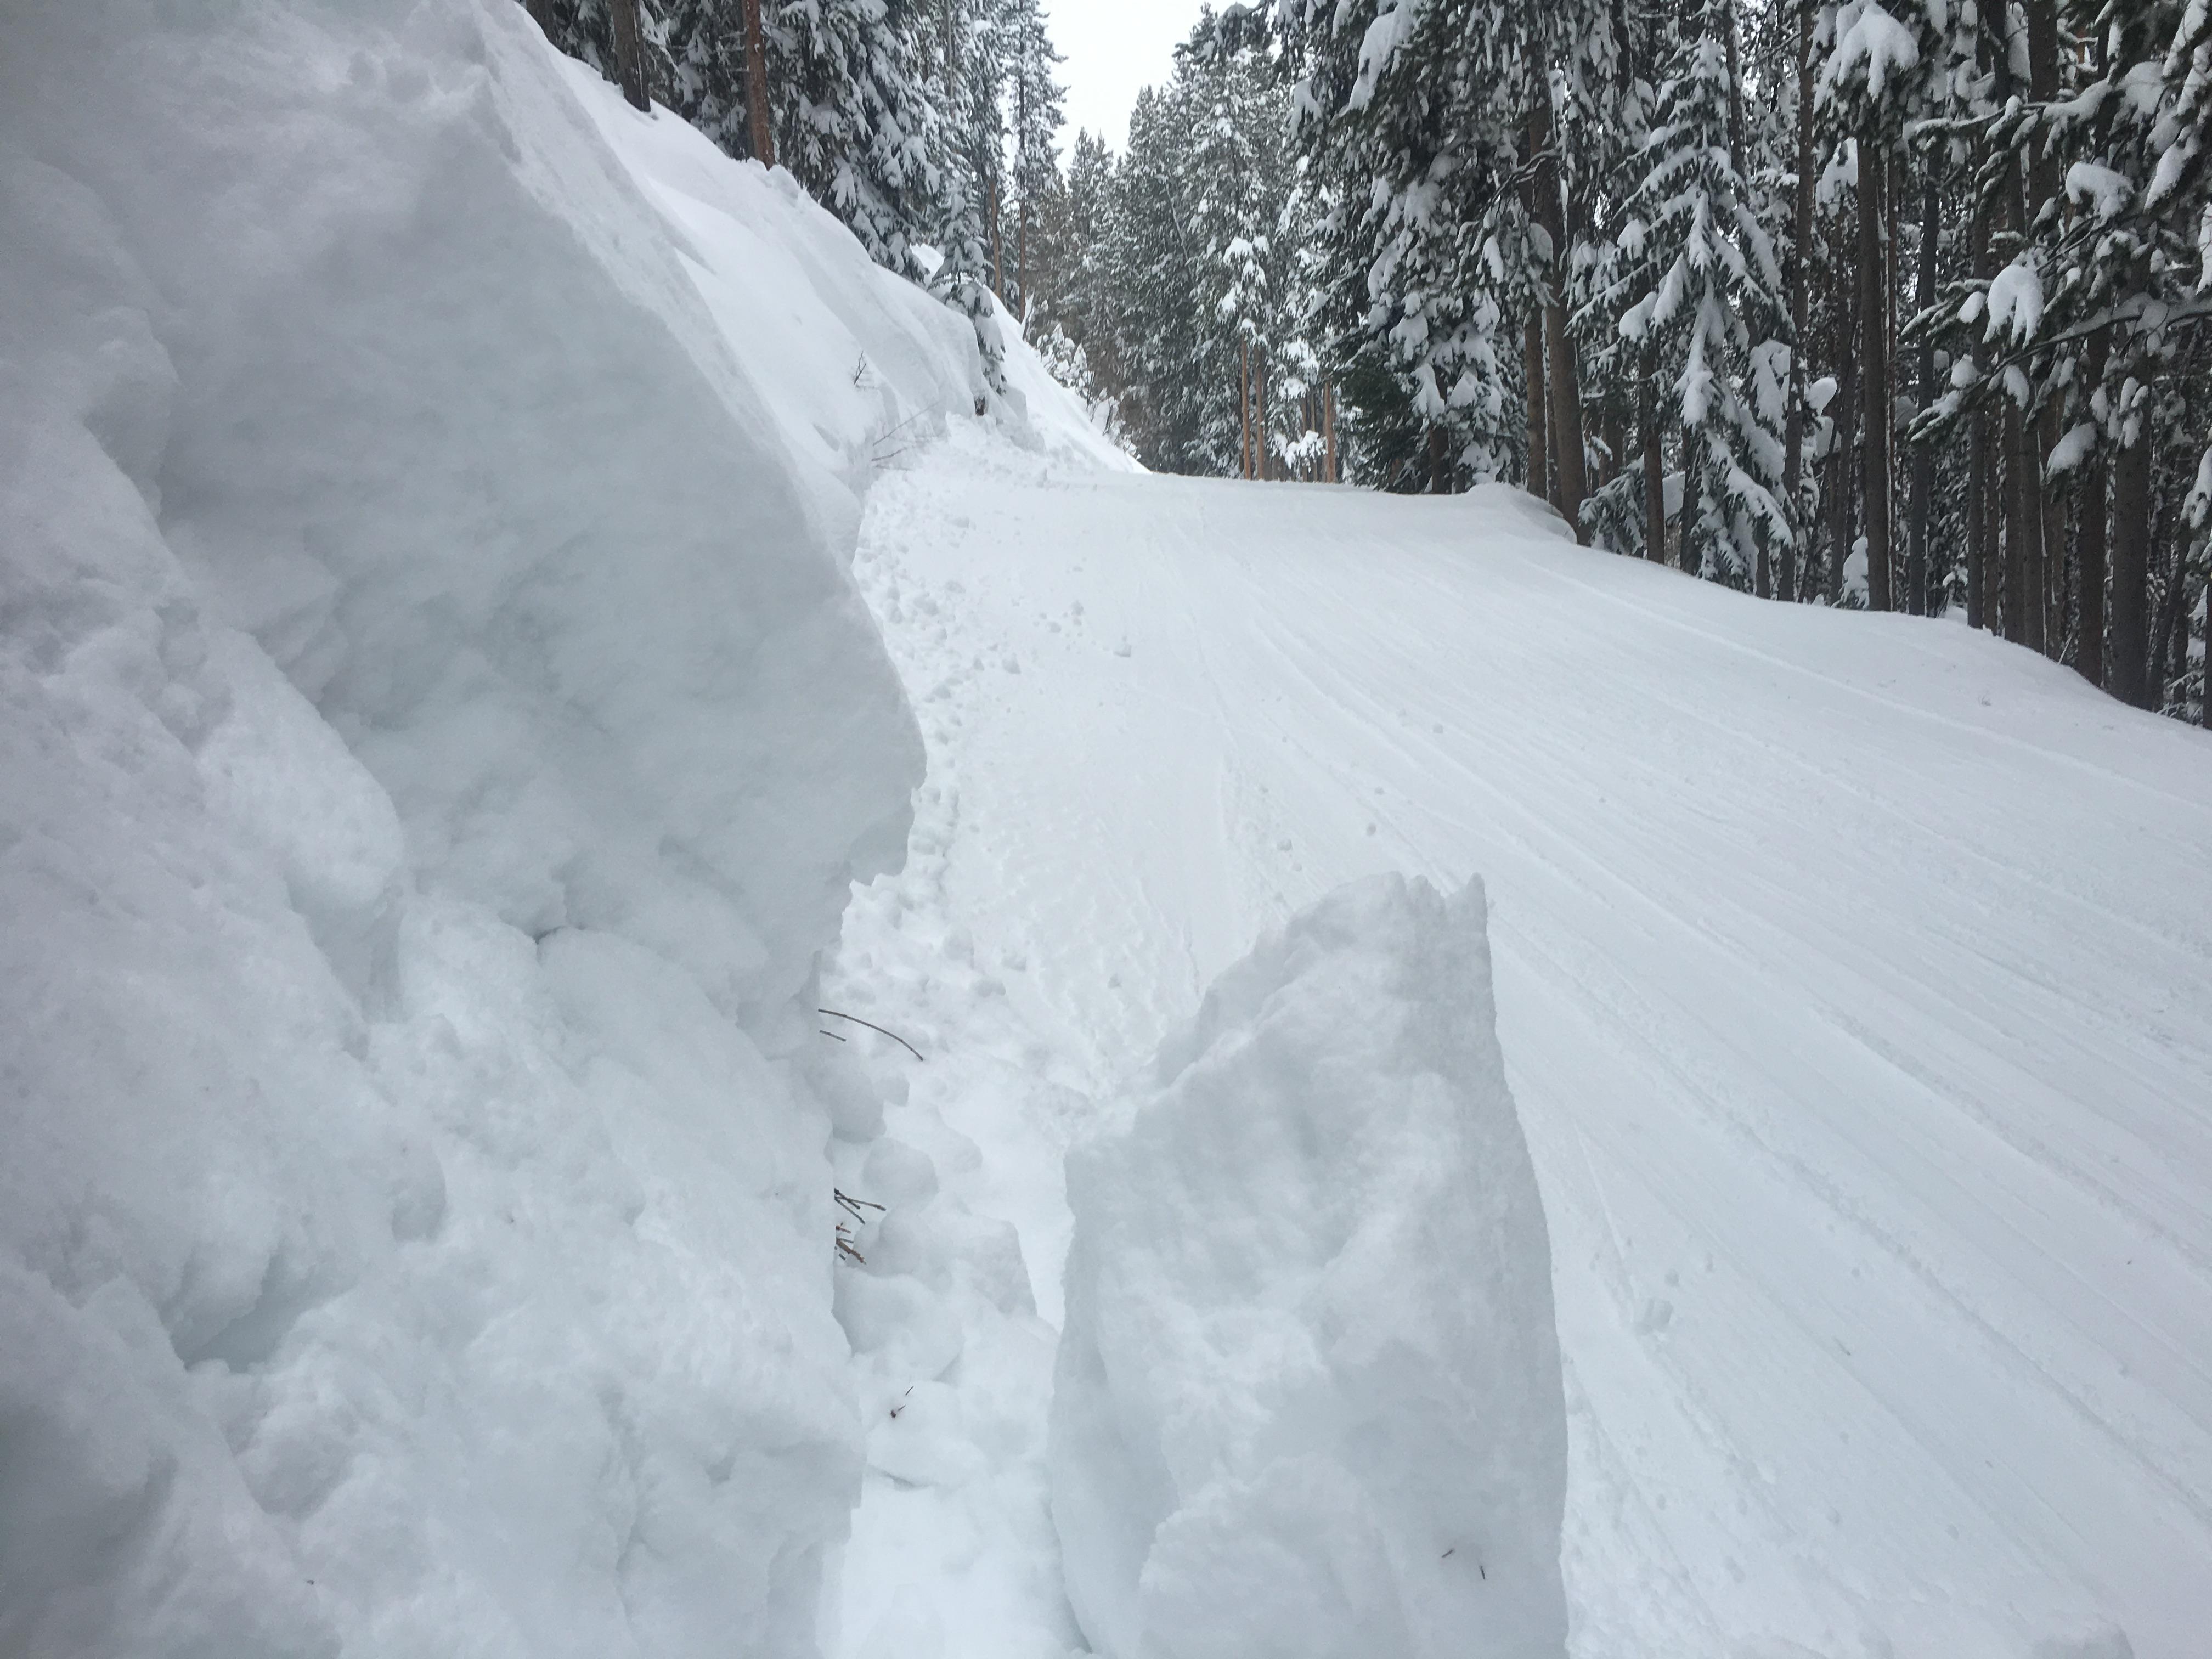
column 1854, row 978
column 860, row 368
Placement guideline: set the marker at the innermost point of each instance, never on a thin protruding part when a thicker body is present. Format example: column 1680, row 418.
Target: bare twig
column 855, row 1206
column 833, row 1013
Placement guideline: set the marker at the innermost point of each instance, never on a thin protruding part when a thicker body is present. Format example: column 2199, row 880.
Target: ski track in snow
column 1855, row 982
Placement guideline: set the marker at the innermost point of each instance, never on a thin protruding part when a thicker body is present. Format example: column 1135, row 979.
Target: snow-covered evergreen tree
column 1707, row 301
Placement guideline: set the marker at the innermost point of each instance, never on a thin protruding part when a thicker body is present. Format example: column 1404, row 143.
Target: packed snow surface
column 1307, row 1401
column 1853, row 981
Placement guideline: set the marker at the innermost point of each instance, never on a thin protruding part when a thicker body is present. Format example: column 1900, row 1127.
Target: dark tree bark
column 1982, row 531
column 541, row 13
column 629, row 52
column 1689, row 553
column 1655, row 469
column 758, row 123
column 1978, row 512
column 1840, row 494
column 1244, row 407
column 1540, row 418
column 2127, row 666
column 2019, row 526
column 2034, row 520
column 1800, row 280
column 1260, row 421
column 1439, row 462
column 1923, row 454
column 1873, row 347
column 2089, row 579
column 1564, row 382
column 2169, row 650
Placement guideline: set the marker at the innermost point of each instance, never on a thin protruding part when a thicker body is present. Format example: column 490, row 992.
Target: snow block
column 1309, row 1401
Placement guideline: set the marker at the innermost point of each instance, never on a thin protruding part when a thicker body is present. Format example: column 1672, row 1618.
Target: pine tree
column 1708, row 304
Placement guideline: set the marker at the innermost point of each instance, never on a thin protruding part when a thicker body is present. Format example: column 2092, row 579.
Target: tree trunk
column 758, row 123
column 630, row 52
column 2018, row 527
column 1328, row 430
column 1846, row 404
column 2034, row 610
column 1655, row 470
column 1981, row 538
column 1689, row 552
column 1923, row 454
column 1532, row 366
column 1978, row 512
column 998, row 246
column 1801, row 278
column 1439, row 462
column 2127, row 667
column 1260, row 420
column 1564, row 384
column 2170, row 654
column 2089, row 576
column 1244, row 407
column 1874, row 346
column 541, row 13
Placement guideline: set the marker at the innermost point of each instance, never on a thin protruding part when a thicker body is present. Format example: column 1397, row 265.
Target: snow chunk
column 2015, row 303
column 1309, row 1397
column 2109, row 190
column 1870, row 45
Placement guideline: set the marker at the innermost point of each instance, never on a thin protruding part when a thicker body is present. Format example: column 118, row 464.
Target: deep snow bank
column 1308, row 1400
column 438, row 736
column 866, row 367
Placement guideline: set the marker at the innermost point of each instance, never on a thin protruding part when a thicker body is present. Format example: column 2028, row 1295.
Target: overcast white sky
column 1113, row 48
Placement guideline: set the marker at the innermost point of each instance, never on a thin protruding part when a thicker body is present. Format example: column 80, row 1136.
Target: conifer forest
column 1896, row 306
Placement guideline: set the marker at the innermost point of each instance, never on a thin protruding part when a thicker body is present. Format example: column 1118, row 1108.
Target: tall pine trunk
column 758, row 123
column 1801, row 281
column 1923, row 453
column 2047, row 623
column 1540, row 418
column 2089, row 575
column 1841, row 496
column 1655, row 469
column 629, row 52
column 1978, row 512
column 2127, row 675
column 1244, row 407
column 1564, row 382
column 1874, row 390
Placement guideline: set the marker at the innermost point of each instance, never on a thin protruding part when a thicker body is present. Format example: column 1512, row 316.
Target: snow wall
column 1308, row 1399
column 439, row 731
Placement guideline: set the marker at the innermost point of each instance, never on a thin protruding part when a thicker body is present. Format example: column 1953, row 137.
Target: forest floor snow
column 1854, row 979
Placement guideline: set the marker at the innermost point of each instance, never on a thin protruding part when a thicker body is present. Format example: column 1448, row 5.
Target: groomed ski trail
column 1855, row 982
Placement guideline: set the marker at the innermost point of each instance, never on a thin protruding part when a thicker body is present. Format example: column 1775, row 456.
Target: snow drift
column 440, row 733
column 1309, row 1397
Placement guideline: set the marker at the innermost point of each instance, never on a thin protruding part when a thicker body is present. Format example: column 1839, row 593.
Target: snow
column 859, row 369
column 441, row 734
column 454, row 524
column 1308, row 1398
column 1853, row 981
column 2015, row 303
column 1871, row 46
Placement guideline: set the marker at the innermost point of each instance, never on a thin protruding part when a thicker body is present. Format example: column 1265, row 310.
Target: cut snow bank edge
column 440, row 735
